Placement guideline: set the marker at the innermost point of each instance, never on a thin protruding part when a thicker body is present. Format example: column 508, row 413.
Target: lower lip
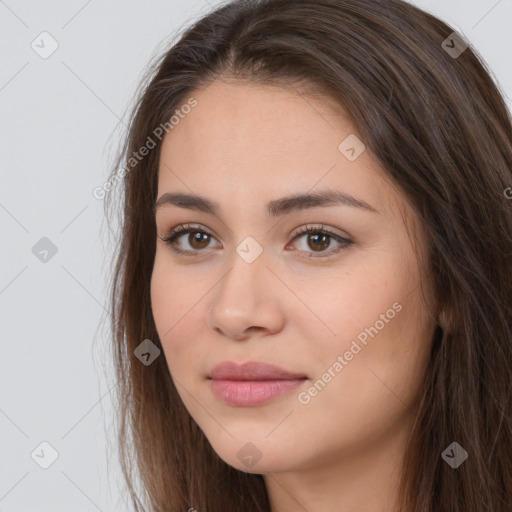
column 251, row 392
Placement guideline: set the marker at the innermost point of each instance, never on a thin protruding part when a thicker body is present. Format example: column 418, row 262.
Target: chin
column 257, row 457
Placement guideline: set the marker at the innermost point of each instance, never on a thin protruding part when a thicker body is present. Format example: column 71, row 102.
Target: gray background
column 61, row 119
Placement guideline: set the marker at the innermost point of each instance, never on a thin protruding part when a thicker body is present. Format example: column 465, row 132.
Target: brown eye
column 198, row 240
column 318, row 241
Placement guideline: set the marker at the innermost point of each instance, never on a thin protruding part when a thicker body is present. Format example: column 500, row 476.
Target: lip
column 252, row 370
column 251, row 383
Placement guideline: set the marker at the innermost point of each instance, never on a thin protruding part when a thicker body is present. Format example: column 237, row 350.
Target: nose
column 246, row 302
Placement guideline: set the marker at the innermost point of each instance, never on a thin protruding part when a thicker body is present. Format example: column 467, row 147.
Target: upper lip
column 251, row 370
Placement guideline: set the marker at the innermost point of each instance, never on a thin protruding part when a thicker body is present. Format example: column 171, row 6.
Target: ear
column 443, row 319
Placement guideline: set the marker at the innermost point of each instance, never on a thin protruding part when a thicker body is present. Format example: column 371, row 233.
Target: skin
column 242, row 146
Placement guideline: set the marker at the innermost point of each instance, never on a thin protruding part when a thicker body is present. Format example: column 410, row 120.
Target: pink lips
column 251, row 383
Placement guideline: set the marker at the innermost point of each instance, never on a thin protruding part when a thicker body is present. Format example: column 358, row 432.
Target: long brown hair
column 429, row 111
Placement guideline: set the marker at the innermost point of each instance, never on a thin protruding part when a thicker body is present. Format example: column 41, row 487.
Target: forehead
column 268, row 141
column 231, row 117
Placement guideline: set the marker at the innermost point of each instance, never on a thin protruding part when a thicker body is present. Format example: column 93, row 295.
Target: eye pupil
column 198, row 237
column 319, row 240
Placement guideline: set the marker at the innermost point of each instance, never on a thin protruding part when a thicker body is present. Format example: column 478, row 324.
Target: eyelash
column 187, row 228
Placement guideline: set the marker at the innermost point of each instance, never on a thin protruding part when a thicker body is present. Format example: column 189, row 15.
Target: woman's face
column 341, row 311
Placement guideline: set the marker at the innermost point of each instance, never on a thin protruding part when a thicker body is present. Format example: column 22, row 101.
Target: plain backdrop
column 60, row 117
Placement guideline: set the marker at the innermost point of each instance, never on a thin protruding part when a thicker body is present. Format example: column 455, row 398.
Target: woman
column 312, row 292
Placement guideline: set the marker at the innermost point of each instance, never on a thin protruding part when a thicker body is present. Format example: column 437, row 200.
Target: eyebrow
column 275, row 208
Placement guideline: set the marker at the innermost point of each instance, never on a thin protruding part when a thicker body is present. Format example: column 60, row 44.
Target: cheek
column 379, row 380
column 377, row 321
column 176, row 310
column 341, row 308
column 173, row 294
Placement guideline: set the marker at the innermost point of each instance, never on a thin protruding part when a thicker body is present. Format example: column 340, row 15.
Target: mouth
column 252, row 383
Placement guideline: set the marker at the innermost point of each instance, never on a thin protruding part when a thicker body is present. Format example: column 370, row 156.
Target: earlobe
column 443, row 320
